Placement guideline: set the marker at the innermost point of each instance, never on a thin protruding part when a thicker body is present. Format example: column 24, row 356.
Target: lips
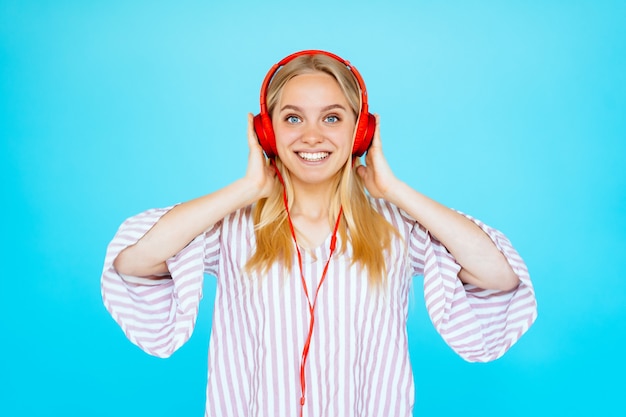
column 313, row 156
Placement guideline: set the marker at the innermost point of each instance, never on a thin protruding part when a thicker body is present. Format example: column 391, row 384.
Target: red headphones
column 366, row 124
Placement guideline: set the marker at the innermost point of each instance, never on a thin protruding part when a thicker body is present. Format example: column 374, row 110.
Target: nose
column 312, row 134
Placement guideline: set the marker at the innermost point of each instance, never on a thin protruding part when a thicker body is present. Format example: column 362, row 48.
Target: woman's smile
column 313, row 156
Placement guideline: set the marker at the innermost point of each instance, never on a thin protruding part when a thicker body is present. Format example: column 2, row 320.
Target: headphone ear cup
column 364, row 135
column 265, row 134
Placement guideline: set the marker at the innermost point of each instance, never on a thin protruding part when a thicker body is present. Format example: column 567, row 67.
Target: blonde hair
column 368, row 232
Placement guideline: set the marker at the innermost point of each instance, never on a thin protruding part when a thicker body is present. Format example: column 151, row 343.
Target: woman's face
column 314, row 127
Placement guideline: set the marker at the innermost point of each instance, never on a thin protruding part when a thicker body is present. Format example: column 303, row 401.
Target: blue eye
column 332, row 119
column 292, row 119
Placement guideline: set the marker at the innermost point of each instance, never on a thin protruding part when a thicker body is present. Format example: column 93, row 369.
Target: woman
column 313, row 272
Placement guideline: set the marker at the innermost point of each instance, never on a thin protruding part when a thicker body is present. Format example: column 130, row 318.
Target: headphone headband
column 366, row 122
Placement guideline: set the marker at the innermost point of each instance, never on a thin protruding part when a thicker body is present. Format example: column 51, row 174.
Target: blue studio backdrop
column 511, row 111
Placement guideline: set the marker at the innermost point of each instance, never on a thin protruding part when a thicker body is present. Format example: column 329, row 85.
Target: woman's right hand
column 259, row 173
column 184, row 222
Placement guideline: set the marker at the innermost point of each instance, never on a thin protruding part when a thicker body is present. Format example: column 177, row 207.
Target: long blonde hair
column 368, row 232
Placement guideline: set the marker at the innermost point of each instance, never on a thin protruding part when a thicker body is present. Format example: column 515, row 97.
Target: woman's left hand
column 376, row 173
column 482, row 263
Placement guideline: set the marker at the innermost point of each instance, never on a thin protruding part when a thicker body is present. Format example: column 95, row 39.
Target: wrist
column 247, row 189
column 394, row 191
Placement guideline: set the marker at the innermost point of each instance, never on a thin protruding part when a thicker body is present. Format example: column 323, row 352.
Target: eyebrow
column 323, row 109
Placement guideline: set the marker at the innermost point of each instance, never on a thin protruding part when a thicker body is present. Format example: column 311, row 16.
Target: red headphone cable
column 307, row 343
column 333, row 244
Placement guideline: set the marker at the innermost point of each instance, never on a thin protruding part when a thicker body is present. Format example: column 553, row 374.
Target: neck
column 309, row 220
column 312, row 201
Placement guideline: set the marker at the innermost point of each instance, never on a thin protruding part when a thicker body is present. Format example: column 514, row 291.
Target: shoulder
column 240, row 217
column 236, row 222
column 236, row 227
column 394, row 215
column 390, row 211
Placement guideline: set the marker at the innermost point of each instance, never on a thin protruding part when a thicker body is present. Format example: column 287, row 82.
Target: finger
column 376, row 140
column 253, row 141
column 270, row 170
column 375, row 147
column 360, row 170
column 251, row 133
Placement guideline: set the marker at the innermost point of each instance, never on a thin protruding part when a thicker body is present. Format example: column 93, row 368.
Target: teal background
column 511, row 111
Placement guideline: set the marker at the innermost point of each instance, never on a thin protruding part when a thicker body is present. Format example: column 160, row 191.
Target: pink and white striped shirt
column 358, row 363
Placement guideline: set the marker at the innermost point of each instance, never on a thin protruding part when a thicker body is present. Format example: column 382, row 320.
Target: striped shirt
column 358, row 363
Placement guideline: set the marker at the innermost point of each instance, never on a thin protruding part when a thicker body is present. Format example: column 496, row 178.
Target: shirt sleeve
column 480, row 325
column 158, row 314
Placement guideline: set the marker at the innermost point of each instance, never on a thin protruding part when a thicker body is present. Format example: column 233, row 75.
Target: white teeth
column 313, row 156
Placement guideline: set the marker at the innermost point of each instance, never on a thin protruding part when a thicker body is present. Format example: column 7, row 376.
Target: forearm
column 180, row 226
column 482, row 263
